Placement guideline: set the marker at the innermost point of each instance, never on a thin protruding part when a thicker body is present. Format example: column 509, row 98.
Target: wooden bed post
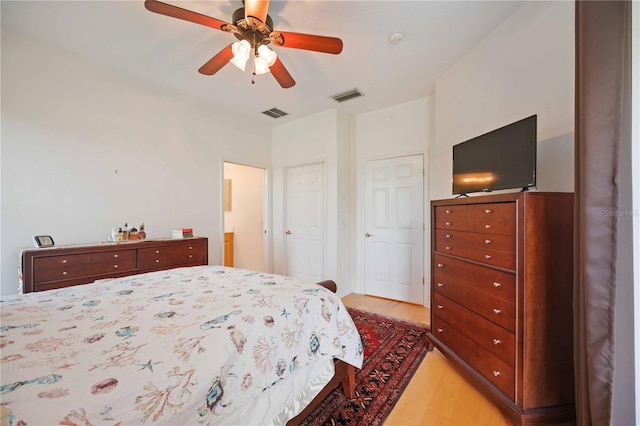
column 349, row 382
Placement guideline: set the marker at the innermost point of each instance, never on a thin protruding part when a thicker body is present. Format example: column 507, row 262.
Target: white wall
column 400, row 130
column 635, row 176
column 68, row 125
column 524, row 67
column 626, row 389
column 246, row 217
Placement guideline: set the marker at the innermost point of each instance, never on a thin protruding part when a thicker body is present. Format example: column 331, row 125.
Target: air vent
column 345, row 96
column 275, row 113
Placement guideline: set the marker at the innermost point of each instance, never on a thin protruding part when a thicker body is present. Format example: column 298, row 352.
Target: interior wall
column 623, row 397
column 635, row 187
column 246, row 217
column 523, row 67
column 85, row 149
column 400, row 130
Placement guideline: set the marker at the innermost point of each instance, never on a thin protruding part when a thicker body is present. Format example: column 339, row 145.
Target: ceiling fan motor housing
column 252, row 29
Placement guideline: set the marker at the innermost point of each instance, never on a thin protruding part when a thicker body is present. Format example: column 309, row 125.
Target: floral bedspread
column 185, row 346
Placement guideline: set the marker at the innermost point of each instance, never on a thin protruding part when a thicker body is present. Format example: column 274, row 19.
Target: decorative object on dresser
column 43, row 241
column 46, row 269
column 182, row 233
column 501, row 294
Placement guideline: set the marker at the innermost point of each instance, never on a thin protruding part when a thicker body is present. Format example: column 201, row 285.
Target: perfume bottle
column 141, row 233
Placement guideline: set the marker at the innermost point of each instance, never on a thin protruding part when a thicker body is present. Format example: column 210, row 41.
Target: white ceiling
column 126, row 37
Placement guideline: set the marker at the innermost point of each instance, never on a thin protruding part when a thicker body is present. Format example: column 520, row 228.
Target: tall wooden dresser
column 64, row 266
column 501, row 298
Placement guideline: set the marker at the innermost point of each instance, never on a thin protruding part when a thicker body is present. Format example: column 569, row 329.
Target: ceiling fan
column 253, row 27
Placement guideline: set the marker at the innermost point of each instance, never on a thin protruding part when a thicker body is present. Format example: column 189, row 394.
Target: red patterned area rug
column 393, row 350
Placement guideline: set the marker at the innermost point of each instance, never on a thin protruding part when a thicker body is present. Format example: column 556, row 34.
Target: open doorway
column 244, row 217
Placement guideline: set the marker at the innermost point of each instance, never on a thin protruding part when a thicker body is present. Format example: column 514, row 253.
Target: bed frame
column 345, row 374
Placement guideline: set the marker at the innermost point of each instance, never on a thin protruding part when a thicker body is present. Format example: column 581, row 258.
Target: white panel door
column 304, row 236
column 394, row 230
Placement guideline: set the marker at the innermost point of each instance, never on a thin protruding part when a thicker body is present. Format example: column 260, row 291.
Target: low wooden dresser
column 501, row 297
column 64, row 266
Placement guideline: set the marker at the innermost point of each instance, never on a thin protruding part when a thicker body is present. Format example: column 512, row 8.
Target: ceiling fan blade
column 307, row 42
column 184, row 14
column 257, row 9
column 282, row 75
column 216, row 63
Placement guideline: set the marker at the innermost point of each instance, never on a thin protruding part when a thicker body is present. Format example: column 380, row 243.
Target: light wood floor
column 437, row 394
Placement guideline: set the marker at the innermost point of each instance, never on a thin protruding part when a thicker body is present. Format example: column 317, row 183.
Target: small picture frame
column 43, row 241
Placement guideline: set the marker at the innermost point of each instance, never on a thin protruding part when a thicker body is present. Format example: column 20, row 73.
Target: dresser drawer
column 113, row 261
column 494, row 242
column 492, row 257
column 498, row 284
column 492, row 308
column 451, row 217
column 493, row 210
column 499, row 219
column 490, row 366
column 159, row 257
column 492, row 226
column 496, row 339
column 451, row 242
column 55, row 268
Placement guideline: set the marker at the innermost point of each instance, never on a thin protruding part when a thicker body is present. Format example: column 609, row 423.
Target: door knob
column 288, row 232
column 368, row 235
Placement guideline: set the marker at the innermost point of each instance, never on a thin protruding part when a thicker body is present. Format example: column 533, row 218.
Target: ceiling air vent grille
column 275, row 113
column 349, row 94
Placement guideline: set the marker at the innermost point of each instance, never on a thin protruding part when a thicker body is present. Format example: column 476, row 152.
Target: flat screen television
column 504, row 158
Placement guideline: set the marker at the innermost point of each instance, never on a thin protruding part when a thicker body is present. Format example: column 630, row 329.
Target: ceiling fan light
column 267, row 54
column 260, row 66
column 240, row 50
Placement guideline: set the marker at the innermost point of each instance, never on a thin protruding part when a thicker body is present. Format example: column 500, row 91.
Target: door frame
column 325, row 191
column 426, row 213
column 266, row 210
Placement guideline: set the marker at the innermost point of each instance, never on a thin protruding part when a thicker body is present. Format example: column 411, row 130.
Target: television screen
column 504, row 158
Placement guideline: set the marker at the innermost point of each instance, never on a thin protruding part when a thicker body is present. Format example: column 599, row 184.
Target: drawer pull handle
column 447, row 248
column 487, row 256
column 190, row 248
column 64, row 273
column 496, row 373
column 157, row 251
column 448, row 236
column 440, row 285
column 487, row 226
column 440, row 265
column 447, row 211
column 447, row 223
column 440, row 307
column 190, row 256
column 487, row 211
column 115, row 256
column 497, row 284
column 496, row 311
column 497, row 341
column 440, row 330
column 64, row 260
column 487, row 241
column 115, row 266
column 157, row 260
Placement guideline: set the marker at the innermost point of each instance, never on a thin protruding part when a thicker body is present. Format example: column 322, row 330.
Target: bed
column 198, row 345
